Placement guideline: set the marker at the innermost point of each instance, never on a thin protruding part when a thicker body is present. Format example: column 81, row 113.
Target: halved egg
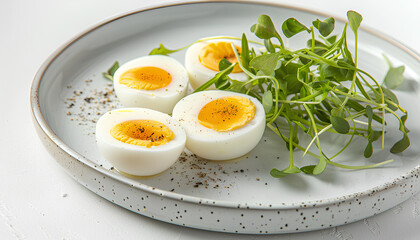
column 202, row 60
column 139, row 141
column 157, row 82
column 220, row 125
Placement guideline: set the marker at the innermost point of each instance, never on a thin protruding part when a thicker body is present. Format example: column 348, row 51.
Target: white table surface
column 39, row 200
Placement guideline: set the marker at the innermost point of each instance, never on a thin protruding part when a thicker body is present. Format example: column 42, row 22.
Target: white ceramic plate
column 69, row 94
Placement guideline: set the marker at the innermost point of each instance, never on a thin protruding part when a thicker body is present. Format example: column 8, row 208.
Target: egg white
column 133, row 159
column 162, row 99
column 198, row 73
column 213, row 145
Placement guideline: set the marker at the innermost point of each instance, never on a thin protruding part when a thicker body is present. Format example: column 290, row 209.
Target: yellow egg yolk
column 227, row 113
column 145, row 133
column 146, row 78
column 212, row 53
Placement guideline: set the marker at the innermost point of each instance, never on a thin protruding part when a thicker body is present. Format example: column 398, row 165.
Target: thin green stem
column 314, row 126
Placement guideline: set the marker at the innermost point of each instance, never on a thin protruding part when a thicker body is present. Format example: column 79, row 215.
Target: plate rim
column 43, row 125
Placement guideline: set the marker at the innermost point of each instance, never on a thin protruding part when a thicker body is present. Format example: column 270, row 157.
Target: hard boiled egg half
column 220, row 125
column 139, row 141
column 157, row 82
column 202, row 60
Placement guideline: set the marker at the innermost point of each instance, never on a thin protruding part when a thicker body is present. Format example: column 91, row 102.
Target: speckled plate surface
column 69, row 94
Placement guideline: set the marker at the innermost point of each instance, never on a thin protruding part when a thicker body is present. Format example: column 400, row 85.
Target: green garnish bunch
column 316, row 89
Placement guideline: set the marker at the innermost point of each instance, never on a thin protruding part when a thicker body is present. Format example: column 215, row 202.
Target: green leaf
column 322, row 115
column 292, row 26
column 269, row 46
column 109, row 74
column 355, row 105
column 325, row 27
column 403, row 128
column 236, row 86
column 334, row 73
column 223, row 83
column 267, row 101
column 340, row 124
column 265, row 63
column 288, row 72
column 388, row 94
column 369, row 114
column 114, row 68
column 376, row 135
column 401, row 145
column 223, row 64
column 346, row 63
column 320, row 167
column 315, row 169
column 394, row 77
column 354, row 20
column 264, row 28
column 321, row 97
column 162, row 50
column 279, row 174
column 368, row 150
column 332, row 39
column 371, row 134
column 318, row 44
column 245, row 58
column 304, row 60
column 316, row 23
column 259, row 74
column 308, row 169
column 293, row 84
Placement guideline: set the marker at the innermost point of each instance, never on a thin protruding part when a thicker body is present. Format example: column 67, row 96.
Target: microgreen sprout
column 109, row 74
column 317, row 89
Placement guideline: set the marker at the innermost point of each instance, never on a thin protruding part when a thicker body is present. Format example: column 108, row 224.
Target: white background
column 38, row 200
